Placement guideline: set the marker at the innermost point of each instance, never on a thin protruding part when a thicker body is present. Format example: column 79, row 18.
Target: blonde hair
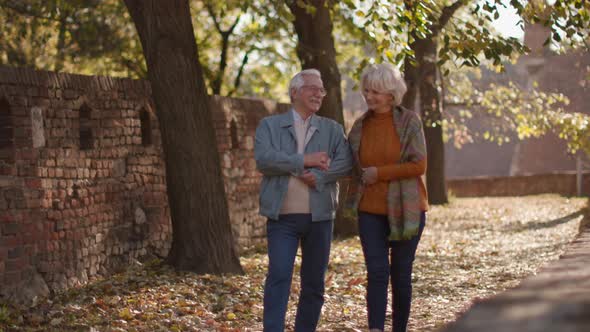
column 384, row 78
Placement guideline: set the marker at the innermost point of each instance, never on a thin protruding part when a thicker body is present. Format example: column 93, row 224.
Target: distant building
column 567, row 74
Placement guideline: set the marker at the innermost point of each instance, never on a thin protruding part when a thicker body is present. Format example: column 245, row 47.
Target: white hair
column 384, row 78
column 297, row 81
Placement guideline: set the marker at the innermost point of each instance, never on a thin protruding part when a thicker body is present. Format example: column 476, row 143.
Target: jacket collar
column 287, row 120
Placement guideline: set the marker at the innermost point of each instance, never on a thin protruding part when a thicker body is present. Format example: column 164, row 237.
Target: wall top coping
column 42, row 78
column 522, row 176
column 47, row 79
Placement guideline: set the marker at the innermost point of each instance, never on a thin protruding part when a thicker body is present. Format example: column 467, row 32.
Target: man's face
column 309, row 97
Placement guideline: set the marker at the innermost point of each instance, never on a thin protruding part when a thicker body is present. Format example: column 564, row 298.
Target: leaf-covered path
column 471, row 249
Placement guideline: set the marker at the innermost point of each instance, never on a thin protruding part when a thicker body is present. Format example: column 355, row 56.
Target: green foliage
column 385, row 24
column 260, row 48
column 509, row 111
column 98, row 37
column 464, row 29
column 87, row 37
column 466, row 37
column 569, row 20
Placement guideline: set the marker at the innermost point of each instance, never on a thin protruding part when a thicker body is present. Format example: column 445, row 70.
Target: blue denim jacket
column 275, row 151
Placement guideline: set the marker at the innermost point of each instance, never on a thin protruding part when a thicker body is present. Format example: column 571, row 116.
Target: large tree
column 315, row 49
column 202, row 238
column 312, row 20
column 422, row 76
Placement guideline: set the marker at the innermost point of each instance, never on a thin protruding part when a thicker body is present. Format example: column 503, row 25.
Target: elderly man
column 301, row 155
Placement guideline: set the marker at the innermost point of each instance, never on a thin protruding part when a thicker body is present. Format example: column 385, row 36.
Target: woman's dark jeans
column 374, row 232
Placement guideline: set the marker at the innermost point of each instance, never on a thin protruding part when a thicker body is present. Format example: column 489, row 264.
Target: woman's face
column 378, row 101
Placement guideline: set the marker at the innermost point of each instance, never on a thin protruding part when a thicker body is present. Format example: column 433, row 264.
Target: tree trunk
column 202, row 238
column 423, row 84
column 315, row 49
column 430, row 100
column 412, row 77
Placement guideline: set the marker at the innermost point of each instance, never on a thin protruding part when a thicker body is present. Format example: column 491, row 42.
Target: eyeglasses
column 315, row 89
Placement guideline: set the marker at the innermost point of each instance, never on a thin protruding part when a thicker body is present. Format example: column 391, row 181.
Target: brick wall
column 82, row 179
column 557, row 183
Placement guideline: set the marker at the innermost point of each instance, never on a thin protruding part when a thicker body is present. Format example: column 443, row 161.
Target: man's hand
column 369, row 175
column 317, row 159
column 308, row 178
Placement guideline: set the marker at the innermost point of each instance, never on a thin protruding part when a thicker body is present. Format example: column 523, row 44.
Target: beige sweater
column 297, row 197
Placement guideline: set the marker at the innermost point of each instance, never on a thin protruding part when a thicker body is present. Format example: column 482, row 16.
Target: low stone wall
column 82, row 176
column 557, row 183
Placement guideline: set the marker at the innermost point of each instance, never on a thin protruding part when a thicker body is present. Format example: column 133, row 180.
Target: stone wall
column 82, row 176
column 558, row 183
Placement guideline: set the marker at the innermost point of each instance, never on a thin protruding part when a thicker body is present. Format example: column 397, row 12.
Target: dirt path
column 471, row 249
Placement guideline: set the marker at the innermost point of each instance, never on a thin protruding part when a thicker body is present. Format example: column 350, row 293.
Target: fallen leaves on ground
column 471, row 249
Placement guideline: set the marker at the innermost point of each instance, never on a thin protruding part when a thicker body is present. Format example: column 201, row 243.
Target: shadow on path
column 548, row 223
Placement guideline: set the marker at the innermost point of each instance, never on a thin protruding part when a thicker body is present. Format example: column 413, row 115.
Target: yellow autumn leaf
column 125, row 314
column 231, row 316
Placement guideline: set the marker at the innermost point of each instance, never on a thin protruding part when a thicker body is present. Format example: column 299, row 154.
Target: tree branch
column 241, row 71
column 233, row 26
column 212, row 14
column 445, row 16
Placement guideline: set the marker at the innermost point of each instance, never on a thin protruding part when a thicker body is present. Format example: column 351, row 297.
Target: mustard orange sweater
column 380, row 147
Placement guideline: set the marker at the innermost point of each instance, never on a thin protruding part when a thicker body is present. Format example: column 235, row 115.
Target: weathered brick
column 16, row 264
column 10, row 228
column 15, row 252
column 11, row 277
column 33, row 183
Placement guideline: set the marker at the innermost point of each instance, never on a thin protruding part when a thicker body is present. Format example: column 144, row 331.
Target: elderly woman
column 390, row 159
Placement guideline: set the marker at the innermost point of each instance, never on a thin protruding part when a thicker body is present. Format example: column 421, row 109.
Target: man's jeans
column 374, row 232
column 284, row 236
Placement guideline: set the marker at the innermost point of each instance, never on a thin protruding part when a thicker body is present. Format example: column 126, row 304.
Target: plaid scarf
column 403, row 196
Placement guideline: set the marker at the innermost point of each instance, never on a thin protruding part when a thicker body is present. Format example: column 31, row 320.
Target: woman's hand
column 308, row 178
column 369, row 175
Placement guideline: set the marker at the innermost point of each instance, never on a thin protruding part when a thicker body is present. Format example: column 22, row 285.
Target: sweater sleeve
column 401, row 171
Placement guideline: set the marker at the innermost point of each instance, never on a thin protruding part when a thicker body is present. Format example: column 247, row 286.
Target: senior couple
column 302, row 155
